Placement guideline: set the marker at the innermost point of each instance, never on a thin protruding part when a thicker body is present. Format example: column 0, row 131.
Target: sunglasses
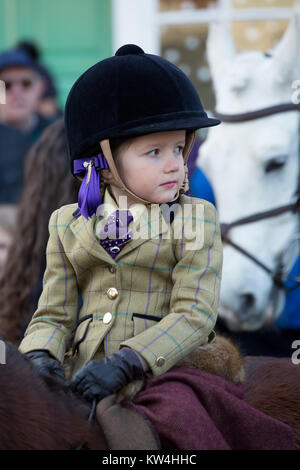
column 25, row 83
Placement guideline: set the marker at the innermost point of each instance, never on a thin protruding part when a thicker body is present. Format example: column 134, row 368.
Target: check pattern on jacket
column 165, row 295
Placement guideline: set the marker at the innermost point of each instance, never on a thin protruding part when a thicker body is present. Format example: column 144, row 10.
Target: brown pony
column 273, row 386
column 41, row 413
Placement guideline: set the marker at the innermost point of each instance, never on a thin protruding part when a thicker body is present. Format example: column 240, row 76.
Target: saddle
column 193, row 395
column 125, row 429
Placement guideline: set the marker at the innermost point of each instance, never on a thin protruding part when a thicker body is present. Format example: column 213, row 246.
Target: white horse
column 253, row 167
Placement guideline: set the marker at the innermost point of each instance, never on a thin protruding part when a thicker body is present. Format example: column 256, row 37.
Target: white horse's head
column 253, row 167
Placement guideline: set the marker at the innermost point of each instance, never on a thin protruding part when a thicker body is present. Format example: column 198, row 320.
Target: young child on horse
column 144, row 258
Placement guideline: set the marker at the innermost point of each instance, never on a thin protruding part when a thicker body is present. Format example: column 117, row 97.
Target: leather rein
column 277, row 276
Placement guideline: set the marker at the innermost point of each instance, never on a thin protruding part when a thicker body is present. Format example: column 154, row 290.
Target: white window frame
column 136, row 22
column 139, row 21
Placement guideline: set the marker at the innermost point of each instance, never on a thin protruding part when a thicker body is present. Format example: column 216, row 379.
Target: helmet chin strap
column 117, row 181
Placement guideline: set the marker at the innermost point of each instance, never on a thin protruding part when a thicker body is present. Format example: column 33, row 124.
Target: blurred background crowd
column 44, row 46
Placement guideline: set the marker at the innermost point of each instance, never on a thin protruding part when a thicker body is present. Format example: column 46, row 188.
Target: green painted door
column 72, row 34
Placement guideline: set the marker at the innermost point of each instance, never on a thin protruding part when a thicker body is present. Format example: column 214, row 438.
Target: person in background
column 48, row 184
column 20, row 123
column 48, row 105
column 199, row 184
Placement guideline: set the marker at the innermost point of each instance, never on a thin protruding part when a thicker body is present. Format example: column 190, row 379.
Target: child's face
column 152, row 166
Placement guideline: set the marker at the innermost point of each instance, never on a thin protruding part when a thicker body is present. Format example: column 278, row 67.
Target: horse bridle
column 277, row 276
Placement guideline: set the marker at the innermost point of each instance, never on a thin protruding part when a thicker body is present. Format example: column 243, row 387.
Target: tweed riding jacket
column 159, row 296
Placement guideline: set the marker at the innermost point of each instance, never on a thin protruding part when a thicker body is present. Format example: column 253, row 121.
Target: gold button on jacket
column 107, row 318
column 160, row 361
column 112, row 293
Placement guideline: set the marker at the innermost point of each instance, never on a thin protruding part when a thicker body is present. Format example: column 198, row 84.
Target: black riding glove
column 46, row 363
column 102, row 377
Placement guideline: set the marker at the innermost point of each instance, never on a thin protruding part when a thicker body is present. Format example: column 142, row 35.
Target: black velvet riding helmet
column 128, row 95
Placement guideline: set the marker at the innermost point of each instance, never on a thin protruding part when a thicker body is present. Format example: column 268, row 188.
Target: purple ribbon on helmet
column 89, row 197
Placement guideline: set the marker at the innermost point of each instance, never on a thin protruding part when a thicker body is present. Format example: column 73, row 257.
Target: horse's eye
column 274, row 164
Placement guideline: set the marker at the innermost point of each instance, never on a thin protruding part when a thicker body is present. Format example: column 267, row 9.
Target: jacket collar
column 154, row 222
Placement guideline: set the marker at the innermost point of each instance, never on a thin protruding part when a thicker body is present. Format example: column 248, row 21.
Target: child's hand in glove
column 46, row 364
column 102, row 377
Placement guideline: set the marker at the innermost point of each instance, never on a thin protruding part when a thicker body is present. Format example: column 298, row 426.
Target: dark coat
column 14, row 146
